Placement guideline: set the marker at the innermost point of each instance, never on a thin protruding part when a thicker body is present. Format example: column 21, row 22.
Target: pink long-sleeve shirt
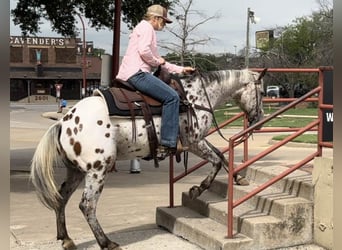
column 142, row 53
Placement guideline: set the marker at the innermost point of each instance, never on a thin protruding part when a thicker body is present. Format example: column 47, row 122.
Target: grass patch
column 293, row 111
column 302, row 120
column 224, row 114
column 309, row 138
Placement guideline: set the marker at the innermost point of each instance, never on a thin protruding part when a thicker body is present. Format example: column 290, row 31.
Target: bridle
column 210, row 109
column 256, row 83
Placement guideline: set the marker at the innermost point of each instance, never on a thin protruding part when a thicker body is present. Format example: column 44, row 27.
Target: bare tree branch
column 184, row 31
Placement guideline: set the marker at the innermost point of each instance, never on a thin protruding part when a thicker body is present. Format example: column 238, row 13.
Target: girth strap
column 134, row 131
column 151, row 132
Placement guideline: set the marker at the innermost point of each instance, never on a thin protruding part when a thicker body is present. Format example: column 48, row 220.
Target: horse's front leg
column 206, row 150
column 94, row 183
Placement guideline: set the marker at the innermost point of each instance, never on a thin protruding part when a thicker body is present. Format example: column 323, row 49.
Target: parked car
column 300, row 89
column 272, row 91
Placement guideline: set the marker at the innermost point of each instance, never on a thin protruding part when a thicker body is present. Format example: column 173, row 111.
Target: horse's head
column 249, row 96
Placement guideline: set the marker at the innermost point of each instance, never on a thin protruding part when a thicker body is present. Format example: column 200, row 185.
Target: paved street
column 127, row 205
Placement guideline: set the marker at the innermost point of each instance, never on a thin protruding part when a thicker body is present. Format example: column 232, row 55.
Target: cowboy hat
column 159, row 11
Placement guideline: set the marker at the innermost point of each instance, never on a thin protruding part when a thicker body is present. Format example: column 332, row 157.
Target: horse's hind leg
column 73, row 179
column 93, row 187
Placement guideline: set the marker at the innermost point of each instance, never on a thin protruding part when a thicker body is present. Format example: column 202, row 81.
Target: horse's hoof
column 241, row 181
column 194, row 192
column 114, row 246
column 69, row 244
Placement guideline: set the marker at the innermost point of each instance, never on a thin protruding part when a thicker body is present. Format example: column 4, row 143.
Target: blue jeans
column 150, row 85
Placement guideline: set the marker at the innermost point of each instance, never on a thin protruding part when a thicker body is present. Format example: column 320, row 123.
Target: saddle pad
column 114, row 109
column 123, row 96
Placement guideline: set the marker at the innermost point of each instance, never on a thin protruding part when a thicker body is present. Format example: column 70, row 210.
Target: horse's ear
column 262, row 74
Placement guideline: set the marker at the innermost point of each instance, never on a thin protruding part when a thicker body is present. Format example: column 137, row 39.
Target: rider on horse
column 141, row 56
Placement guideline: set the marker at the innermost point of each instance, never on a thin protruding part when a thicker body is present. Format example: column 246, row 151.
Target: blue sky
column 229, row 31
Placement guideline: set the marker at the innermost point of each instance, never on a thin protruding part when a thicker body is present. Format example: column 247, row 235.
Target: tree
column 62, row 14
column 307, row 42
column 184, row 30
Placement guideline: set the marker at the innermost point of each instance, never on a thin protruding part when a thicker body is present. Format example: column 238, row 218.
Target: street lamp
column 58, row 87
column 28, row 88
column 84, row 64
column 116, row 40
column 253, row 19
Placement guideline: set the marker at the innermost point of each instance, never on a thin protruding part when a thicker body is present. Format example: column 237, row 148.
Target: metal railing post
column 230, row 216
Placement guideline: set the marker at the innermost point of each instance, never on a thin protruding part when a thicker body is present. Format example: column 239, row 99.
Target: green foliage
column 204, row 62
column 307, row 42
column 306, row 138
column 134, row 10
column 98, row 52
column 293, row 118
column 62, row 14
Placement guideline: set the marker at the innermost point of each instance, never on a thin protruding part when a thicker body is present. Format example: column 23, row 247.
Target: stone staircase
column 278, row 217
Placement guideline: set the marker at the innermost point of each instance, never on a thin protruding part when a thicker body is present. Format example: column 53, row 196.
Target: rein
column 210, row 109
column 258, row 82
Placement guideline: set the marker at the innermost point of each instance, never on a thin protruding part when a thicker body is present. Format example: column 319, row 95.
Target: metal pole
column 171, row 181
column 230, row 212
column 28, row 90
column 247, row 41
column 84, row 66
column 116, row 39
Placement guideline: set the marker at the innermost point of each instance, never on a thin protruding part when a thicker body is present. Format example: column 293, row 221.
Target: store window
column 66, row 55
column 38, row 55
column 16, row 54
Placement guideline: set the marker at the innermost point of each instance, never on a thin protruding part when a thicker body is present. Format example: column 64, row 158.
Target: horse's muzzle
column 256, row 119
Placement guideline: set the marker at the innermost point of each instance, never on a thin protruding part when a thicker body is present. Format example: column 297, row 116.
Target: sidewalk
column 126, row 208
column 126, row 211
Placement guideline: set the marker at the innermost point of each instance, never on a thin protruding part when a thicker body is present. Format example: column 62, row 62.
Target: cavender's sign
column 42, row 41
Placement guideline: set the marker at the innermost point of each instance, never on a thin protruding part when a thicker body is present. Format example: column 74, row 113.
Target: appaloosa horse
column 87, row 141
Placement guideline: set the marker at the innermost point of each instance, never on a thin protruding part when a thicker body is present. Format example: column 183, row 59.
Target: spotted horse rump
column 87, row 141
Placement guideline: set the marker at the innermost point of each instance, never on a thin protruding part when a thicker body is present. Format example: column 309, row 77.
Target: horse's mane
column 210, row 76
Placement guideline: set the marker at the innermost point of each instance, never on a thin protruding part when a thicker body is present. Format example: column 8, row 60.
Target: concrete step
column 199, row 229
column 265, row 232
column 269, row 232
column 292, row 214
column 278, row 205
column 278, row 217
column 298, row 183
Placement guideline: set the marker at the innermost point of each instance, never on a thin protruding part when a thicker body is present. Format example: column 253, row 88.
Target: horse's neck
column 223, row 86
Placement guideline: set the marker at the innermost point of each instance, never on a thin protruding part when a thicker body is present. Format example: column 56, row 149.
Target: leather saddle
column 125, row 100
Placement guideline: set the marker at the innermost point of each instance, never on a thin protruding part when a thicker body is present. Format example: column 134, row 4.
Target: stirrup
column 180, row 148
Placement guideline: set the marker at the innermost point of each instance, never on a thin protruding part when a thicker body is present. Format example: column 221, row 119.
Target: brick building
column 38, row 65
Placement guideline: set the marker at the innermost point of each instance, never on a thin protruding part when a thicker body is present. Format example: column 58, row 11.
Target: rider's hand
column 161, row 61
column 188, row 70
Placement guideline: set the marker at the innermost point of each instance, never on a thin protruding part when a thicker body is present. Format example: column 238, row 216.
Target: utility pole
column 116, row 40
column 84, row 60
column 250, row 18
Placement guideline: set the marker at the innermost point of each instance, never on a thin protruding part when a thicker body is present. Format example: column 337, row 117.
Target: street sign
column 328, row 114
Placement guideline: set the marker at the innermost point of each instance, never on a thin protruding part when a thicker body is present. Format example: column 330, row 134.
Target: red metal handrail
column 316, row 125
